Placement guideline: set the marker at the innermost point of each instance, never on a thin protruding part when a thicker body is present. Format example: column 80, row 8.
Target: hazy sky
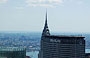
column 29, row 15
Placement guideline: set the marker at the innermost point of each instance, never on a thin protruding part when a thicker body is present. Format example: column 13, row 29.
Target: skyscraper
column 53, row 46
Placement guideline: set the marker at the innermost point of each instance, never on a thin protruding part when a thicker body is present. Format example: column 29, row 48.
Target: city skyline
column 29, row 15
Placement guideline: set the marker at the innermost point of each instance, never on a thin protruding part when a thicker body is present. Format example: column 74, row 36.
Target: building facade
column 63, row 46
column 12, row 52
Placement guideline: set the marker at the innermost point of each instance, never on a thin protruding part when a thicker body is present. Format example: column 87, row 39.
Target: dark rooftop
column 58, row 36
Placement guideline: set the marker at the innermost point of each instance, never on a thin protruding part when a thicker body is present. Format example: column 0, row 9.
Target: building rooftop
column 12, row 48
column 58, row 36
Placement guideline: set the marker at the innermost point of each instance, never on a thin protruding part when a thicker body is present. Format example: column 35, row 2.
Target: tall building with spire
column 52, row 46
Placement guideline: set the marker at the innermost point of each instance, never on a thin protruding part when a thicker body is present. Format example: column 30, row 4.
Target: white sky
column 29, row 15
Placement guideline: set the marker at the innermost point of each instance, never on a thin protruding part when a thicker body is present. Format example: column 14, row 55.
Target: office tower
column 62, row 46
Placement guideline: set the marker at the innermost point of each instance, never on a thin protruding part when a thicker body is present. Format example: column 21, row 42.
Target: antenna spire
column 46, row 30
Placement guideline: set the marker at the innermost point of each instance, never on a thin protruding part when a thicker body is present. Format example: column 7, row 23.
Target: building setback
column 53, row 46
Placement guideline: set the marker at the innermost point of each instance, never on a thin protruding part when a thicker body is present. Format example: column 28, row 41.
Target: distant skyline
column 29, row 15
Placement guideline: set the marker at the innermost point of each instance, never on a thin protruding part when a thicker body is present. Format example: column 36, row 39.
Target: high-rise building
column 62, row 46
column 12, row 52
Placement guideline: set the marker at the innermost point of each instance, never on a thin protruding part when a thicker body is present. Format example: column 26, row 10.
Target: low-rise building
column 12, row 52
